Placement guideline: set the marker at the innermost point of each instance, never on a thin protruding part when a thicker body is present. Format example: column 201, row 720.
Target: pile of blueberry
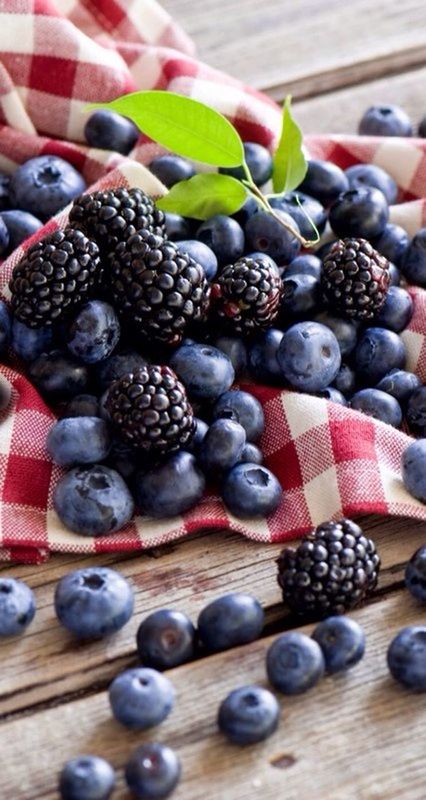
column 95, row 602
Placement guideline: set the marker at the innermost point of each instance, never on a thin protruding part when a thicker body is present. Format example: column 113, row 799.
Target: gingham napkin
column 54, row 59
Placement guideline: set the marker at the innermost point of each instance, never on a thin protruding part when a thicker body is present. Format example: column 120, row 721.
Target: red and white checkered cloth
column 55, row 57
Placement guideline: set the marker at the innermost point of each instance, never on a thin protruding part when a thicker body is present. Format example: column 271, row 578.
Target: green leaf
column 290, row 164
column 204, row 195
column 182, row 125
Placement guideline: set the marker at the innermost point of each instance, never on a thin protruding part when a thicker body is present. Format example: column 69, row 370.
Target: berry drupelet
column 158, row 288
column 355, row 279
column 149, row 410
column 247, row 294
column 330, row 571
column 53, row 277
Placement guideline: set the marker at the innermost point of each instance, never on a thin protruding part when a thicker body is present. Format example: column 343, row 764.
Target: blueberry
column 265, row 234
column 259, row 162
column 309, row 356
column 124, row 459
column 407, row 657
column 262, row 357
column 416, row 411
column 399, row 384
column 306, row 264
column 302, row 208
column 369, row 175
column 177, row 227
column 93, row 500
column 94, row 332
column 236, row 350
column 82, row 405
column 385, row 121
column 251, row 454
column 202, row 254
column 20, row 225
column 414, row 469
column 17, row 606
column 229, row 621
column 196, row 442
column 170, row 488
column 393, row 243
column 30, row 343
column 378, row 351
column 342, row 642
column 422, row 128
column 250, row 490
column 241, row 407
column 4, row 192
column 360, row 213
column 206, row 371
column 4, row 237
column 108, row 130
column 333, row 395
column 397, row 310
column 153, row 771
column 141, row 698
column 294, row 663
column 379, row 405
column 256, row 254
column 222, row 446
column 58, row 374
column 395, row 275
column 300, row 295
column 345, row 330
column 248, row 715
column 165, row 639
column 414, row 262
column 5, row 327
column 415, row 574
column 78, row 440
column 44, row 185
column 93, row 602
column 170, row 169
column 118, row 364
column 246, row 211
column 224, row 236
column 324, row 181
column 86, row 778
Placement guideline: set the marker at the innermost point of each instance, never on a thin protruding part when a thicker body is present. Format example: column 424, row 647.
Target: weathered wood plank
column 305, row 48
column 46, row 664
column 354, row 737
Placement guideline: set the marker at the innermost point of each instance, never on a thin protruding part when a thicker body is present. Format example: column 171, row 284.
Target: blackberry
column 159, row 289
column 150, row 410
column 330, row 571
column 53, row 277
column 112, row 216
column 247, row 294
column 355, row 279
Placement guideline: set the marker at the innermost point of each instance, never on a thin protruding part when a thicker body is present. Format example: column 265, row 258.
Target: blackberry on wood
column 331, row 570
column 159, row 289
column 355, row 278
column 247, row 294
column 150, row 410
column 112, row 216
column 53, row 277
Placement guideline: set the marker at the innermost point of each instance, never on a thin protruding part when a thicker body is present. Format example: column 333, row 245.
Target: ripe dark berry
column 306, row 264
column 399, row 384
column 150, row 411
column 246, row 295
column 117, row 365
column 264, row 233
column 86, row 778
column 176, row 227
column 248, row 715
column 82, row 405
column 222, row 447
column 171, row 487
column 29, row 343
column 58, row 375
column 17, row 606
column 157, row 288
column 94, row 332
column 407, row 657
column 302, row 208
column 415, row 574
column 324, row 181
column 330, row 571
column 377, row 352
column 393, row 243
column 345, row 330
column 141, row 698
column 309, row 356
column 170, row 169
column 235, row 348
column 224, row 236
column 44, row 185
column 414, row 469
column 262, row 357
column 369, row 175
column 355, row 279
column 165, row 639
column 205, row 370
column 249, row 490
column 152, row 772
column 20, row 226
column 379, row 405
column 93, row 602
column 53, row 277
column 396, row 311
column 385, row 121
column 359, row 212
column 251, row 454
column 229, row 621
column 78, row 440
column 93, row 500
column 294, row 663
column 110, row 131
column 342, row 642
column 300, row 295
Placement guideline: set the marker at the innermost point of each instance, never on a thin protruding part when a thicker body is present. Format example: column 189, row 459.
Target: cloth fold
column 55, row 57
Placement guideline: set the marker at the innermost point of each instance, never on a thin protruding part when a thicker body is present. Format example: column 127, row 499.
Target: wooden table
column 355, row 737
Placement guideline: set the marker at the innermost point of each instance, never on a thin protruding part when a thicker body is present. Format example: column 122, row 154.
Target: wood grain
column 358, row 736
